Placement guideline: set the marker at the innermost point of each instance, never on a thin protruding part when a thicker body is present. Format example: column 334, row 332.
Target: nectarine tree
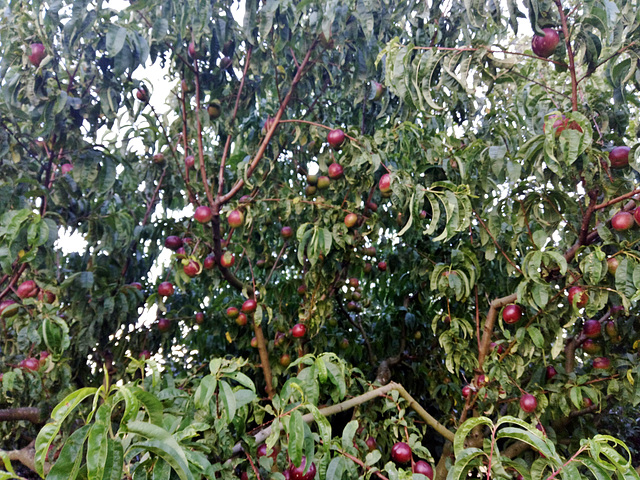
column 163, row 163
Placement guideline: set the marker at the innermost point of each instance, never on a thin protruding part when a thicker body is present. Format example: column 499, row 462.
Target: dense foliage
column 427, row 221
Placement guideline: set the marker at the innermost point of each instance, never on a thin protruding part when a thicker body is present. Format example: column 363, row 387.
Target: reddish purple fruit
column 249, row 306
column 612, row 264
column 203, row 214
column 37, row 54
column 636, row 215
column 466, row 391
column 199, row 318
column 136, row 285
column 324, row 181
column 145, row 355
column 8, row 308
column 350, row 220
column 27, row 289
column 232, row 312
column 580, row 295
column 619, row 157
column 591, row 347
column 165, row 289
column 190, row 161
column 286, row 232
column 142, row 95
column 164, row 324
column 46, row 296
column 285, row 360
column 262, row 451
column 611, row 328
column 601, row 362
column 335, row 171
column 191, row 269
column 544, row 46
column 209, row 262
column 424, row 468
column 385, row 183
column 65, row 168
column 622, row 221
column 299, row 330
column 371, row 443
column 173, row 242
column 591, row 329
column 512, row 313
column 336, row 138
column 382, row 266
column 297, row 473
column 235, row 218
column 528, row 403
column 401, row 452
column 227, row 260
column 241, row 320
column 551, row 372
column 30, row 363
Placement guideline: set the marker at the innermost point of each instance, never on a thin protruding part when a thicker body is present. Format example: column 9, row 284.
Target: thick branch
column 27, row 457
column 262, row 435
column 490, row 322
column 234, row 281
column 264, row 358
column 31, row 414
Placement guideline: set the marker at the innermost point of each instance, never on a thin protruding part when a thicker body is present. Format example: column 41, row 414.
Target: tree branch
column 490, row 322
column 263, row 147
column 262, row 435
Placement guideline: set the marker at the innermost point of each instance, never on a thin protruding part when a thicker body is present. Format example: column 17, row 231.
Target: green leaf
column 71, row 456
column 152, row 405
column 465, row 460
column 598, row 472
column 204, row 392
column 116, row 36
column 58, row 415
column 98, row 443
column 296, row 437
column 465, row 429
column 373, row 457
column 162, row 443
column 336, row 469
column 228, row 399
column 348, row 433
column 530, row 438
column 169, row 452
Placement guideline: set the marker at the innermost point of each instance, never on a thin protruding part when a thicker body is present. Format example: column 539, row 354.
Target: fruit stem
column 572, row 65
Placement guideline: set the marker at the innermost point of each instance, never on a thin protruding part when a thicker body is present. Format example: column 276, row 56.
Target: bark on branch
column 262, row 435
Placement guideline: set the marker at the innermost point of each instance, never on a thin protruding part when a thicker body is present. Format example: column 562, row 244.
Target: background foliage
column 490, row 204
